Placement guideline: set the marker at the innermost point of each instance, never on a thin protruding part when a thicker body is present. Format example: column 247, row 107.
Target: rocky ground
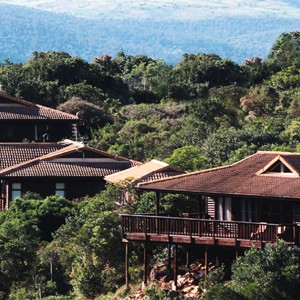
column 187, row 281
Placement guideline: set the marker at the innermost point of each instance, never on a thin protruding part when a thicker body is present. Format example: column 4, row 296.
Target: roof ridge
column 31, row 104
column 31, row 144
column 278, row 152
column 57, row 110
column 18, row 100
column 115, row 156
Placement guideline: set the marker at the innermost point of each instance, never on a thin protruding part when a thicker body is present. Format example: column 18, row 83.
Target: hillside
column 203, row 112
column 236, row 36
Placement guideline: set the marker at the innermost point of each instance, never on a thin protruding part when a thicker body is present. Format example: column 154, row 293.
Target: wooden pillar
column 220, row 208
column 175, row 267
column 157, row 203
column 145, row 263
column 187, row 261
column 236, row 251
column 126, row 266
column 169, row 257
column 228, row 209
column 206, row 260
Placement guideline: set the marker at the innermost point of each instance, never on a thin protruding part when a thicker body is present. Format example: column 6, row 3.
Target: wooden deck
column 205, row 231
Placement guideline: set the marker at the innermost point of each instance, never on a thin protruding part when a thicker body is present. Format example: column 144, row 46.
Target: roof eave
column 205, row 193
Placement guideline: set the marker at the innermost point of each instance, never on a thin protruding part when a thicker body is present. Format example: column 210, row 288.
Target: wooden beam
column 175, row 267
column 126, row 266
column 169, row 257
column 187, row 260
column 237, row 250
column 206, row 260
column 145, row 263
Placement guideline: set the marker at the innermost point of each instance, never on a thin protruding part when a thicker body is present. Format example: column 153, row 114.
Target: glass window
column 60, row 189
column 16, row 190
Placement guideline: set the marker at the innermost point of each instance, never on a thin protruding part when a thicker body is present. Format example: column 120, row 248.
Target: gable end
column 278, row 167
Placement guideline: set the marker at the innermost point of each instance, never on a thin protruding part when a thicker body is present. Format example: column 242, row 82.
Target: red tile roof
column 15, row 153
column 239, row 179
column 68, row 169
column 18, row 109
column 161, row 175
column 59, row 163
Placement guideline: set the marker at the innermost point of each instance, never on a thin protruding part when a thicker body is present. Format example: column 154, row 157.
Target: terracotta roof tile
column 59, row 163
column 237, row 179
column 71, row 169
column 18, row 109
column 160, row 175
column 15, row 153
column 33, row 113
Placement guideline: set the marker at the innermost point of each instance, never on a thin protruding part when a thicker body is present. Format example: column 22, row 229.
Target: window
column 16, row 190
column 41, row 132
column 279, row 168
column 60, row 189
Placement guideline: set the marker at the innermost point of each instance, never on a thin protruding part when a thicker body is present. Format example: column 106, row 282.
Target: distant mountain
column 159, row 29
column 166, row 9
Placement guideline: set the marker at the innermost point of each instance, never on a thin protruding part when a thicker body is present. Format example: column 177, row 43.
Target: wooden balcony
column 205, row 231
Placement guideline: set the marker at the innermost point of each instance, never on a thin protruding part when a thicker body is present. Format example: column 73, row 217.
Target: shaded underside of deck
column 179, row 239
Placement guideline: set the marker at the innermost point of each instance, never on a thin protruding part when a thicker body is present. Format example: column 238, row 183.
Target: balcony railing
column 208, row 228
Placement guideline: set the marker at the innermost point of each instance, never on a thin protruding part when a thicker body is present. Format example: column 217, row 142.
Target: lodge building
column 21, row 121
column 35, row 155
column 247, row 204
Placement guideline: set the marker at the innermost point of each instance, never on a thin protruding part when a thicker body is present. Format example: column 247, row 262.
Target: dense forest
column 204, row 107
column 24, row 30
column 205, row 111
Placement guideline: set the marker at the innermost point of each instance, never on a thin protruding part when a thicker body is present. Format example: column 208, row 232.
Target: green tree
column 196, row 72
column 262, row 101
column 285, row 51
column 90, row 114
column 271, row 273
column 89, row 246
column 256, row 70
column 34, row 221
column 85, row 91
column 188, row 158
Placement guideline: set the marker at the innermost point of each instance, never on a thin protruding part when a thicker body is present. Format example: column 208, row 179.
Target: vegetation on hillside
column 56, row 249
column 143, row 108
column 202, row 112
column 261, row 274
